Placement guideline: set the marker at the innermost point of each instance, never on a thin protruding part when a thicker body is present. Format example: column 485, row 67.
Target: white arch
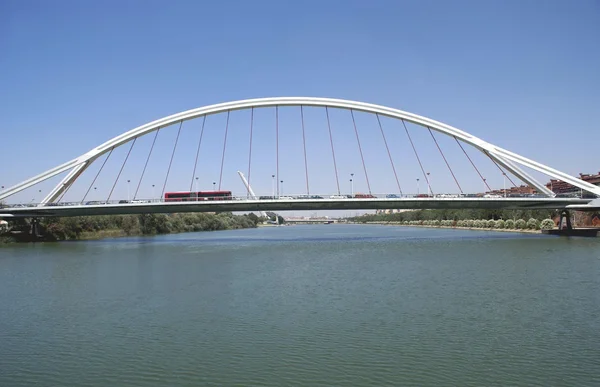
column 502, row 156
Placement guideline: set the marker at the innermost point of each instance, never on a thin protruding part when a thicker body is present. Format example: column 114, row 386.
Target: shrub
column 469, row 223
column 520, row 224
column 491, row 223
column 478, row 223
column 533, row 224
column 460, row 223
column 509, row 224
column 499, row 224
column 547, row 224
column 435, row 223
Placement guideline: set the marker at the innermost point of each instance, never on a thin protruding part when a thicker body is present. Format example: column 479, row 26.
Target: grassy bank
column 110, row 226
column 523, row 231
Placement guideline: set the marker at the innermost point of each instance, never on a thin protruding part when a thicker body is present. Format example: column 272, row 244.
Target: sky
column 522, row 75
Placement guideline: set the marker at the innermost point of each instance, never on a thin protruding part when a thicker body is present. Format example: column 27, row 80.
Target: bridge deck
column 292, row 205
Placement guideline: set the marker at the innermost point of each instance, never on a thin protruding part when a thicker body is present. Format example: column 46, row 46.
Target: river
column 321, row 305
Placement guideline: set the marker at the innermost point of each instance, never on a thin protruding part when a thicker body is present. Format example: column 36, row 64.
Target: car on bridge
column 286, row 198
column 392, row 196
column 338, row 197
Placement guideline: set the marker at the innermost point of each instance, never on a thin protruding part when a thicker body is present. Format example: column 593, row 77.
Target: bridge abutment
column 565, row 228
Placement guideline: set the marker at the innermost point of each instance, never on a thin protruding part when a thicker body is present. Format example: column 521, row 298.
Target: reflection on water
column 329, row 305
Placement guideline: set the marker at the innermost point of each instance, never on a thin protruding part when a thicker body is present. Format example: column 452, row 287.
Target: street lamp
column 281, row 189
column 273, row 184
column 214, row 186
column 418, row 187
column 352, row 184
column 504, row 182
column 196, row 185
column 128, row 181
column 484, row 185
column 153, row 192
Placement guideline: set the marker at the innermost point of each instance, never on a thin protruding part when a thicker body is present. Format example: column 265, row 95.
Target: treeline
column 456, row 215
column 90, row 227
column 500, row 224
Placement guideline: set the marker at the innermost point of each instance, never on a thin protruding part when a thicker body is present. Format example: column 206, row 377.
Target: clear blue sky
column 520, row 74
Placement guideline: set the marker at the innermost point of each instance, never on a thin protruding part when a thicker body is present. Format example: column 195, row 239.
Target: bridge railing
column 384, row 196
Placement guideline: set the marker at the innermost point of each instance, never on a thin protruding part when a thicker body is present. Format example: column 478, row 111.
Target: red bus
column 363, row 196
column 186, row 196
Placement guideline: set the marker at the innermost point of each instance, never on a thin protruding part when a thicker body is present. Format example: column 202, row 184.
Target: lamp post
column 273, row 184
column 196, row 185
column 484, row 185
column 504, row 182
column 128, row 181
column 214, row 185
column 418, row 187
column 352, row 184
column 281, row 189
column 153, row 198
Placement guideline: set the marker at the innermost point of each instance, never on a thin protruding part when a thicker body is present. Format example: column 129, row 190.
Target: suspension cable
column 304, row 144
column 96, row 177
column 250, row 150
column 277, row 147
column 473, row 164
column 446, row 161
column 416, row 154
column 121, row 170
column 388, row 152
column 171, row 161
column 224, row 145
column 360, row 150
column 337, row 180
column 198, row 153
column 501, row 170
column 146, row 165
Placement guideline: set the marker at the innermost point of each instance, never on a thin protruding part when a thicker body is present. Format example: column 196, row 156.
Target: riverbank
column 521, row 231
column 114, row 226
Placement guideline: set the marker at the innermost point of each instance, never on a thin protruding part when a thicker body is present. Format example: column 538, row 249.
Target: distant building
column 393, row 211
column 513, row 191
column 560, row 187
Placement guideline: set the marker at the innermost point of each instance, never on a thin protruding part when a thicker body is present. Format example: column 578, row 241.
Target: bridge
column 297, row 138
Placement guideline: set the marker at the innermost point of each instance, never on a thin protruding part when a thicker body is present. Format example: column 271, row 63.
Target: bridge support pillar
column 35, row 228
column 565, row 221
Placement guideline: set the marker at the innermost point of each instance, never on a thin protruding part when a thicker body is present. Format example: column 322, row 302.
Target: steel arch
column 502, row 156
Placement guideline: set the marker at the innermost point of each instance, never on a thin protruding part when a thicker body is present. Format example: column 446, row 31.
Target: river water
column 322, row 305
